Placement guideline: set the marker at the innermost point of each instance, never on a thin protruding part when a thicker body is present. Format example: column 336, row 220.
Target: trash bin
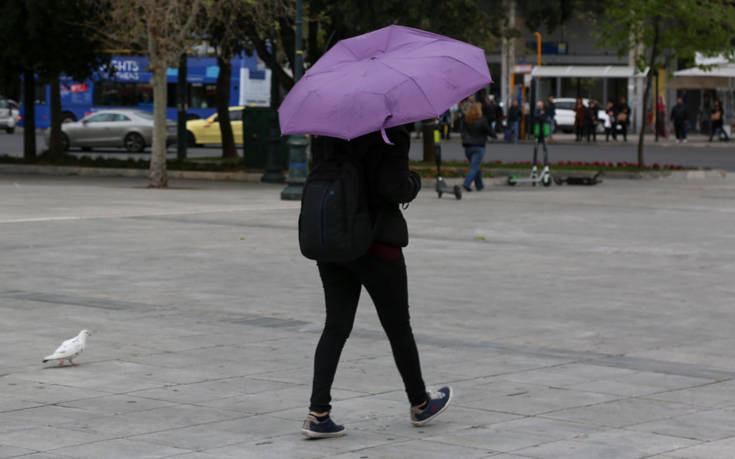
column 257, row 123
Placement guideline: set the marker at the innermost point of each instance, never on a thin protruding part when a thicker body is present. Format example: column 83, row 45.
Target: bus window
column 40, row 95
column 123, row 94
column 202, row 95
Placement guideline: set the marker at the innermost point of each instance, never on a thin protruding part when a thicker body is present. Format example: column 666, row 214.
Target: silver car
column 130, row 129
column 8, row 114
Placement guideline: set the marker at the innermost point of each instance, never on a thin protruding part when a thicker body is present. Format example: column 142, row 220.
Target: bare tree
column 163, row 30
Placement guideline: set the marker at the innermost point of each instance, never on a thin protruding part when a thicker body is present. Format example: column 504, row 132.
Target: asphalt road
column 696, row 153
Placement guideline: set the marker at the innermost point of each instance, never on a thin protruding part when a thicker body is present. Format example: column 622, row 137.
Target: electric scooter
column 594, row 180
column 441, row 185
column 545, row 176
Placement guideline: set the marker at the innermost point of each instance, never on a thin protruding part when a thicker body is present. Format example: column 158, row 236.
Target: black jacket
column 476, row 133
column 514, row 113
column 389, row 180
column 679, row 113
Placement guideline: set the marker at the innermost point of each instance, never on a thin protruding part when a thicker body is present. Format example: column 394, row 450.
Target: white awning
column 587, row 71
column 718, row 77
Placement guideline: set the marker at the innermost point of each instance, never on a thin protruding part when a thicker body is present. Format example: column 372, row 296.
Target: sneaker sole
column 312, row 434
column 428, row 420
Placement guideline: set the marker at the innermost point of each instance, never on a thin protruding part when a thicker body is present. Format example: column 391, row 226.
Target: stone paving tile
column 12, row 451
column 111, row 376
column 532, row 400
column 297, row 446
column 224, row 433
column 196, row 393
column 621, row 413
column 30, row 393
column 351, row 410
column 114, row 404
column 269, row 401
column 607, row 444
column 661, row 381
column 119, row 449
column 152, row 420
column 720, row 449
column 454, row 419
column 421, row 448
column 705, row 395
column 42, row 438
column 513, row 435
column 704, row 425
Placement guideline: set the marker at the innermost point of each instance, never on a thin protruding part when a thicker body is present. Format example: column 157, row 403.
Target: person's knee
column 338, row 332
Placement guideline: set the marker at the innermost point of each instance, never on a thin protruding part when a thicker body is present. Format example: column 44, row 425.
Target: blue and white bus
column 129, row 86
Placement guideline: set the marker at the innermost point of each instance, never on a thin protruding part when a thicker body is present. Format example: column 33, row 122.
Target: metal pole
column 298, row 167
column 655, row 106
column 273, row 162
column 181, row 96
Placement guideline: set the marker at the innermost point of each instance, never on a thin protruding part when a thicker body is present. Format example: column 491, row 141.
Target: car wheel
column 9, row 130
column 64, row 142
column 191, row 140
column 134, row 142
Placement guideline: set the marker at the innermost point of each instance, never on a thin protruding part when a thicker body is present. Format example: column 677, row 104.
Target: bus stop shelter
column 721, row 79
column 604, row 72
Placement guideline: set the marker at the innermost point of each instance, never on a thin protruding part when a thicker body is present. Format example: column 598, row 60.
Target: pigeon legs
column 61, row 363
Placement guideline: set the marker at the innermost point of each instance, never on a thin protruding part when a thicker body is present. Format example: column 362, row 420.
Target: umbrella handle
column 385, row 137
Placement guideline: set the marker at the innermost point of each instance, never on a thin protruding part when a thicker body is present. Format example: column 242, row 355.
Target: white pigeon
column 69, row 349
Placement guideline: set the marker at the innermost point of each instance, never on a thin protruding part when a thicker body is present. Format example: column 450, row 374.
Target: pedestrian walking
column 514, row 120
column 580, row 112
column 661, row 118
column 718, row 123
column 489, row 112
column 464, row 105
column 591, row 119
column 679, row 117
column 350, row 222
column 551, row 113
column 474, row 137
column 382, row 271
column 623, row 118
column 445, row 124
column 610, row 121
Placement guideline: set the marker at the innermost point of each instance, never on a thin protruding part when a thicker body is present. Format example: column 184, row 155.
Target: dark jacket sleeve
column 396, row 183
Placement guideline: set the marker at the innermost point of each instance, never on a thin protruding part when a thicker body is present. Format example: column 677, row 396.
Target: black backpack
column 335, row 224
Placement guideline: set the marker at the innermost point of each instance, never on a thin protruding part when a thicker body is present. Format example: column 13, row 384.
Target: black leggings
column 386, row 282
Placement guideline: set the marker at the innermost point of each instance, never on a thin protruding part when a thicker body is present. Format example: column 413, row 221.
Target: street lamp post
column 273, row 166
column 181, row 140
column 298, row 166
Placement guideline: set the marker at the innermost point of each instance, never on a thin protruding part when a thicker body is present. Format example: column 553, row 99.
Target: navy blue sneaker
column 325, row 429
column 438, row 403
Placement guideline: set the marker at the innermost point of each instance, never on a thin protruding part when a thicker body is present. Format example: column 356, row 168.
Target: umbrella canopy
column 388, row 77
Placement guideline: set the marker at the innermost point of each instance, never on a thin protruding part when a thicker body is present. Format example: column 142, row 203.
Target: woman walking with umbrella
column 357, row 96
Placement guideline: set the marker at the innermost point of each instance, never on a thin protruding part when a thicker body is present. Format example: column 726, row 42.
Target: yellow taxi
column 206, row 131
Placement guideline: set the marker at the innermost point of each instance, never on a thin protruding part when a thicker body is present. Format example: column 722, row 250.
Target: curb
column 254, row 177
column 500, row 176
column 237, row 176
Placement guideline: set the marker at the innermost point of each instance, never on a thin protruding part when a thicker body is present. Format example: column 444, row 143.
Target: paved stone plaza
column 573, row 322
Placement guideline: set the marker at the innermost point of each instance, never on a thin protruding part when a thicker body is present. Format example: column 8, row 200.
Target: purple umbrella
column 388, row 77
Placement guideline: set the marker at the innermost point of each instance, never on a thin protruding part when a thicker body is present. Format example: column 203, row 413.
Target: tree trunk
column 222, row 99
column 427, row 128
column 157, row 176
column 647, row 91
column 29, row 115
column 55, row 148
